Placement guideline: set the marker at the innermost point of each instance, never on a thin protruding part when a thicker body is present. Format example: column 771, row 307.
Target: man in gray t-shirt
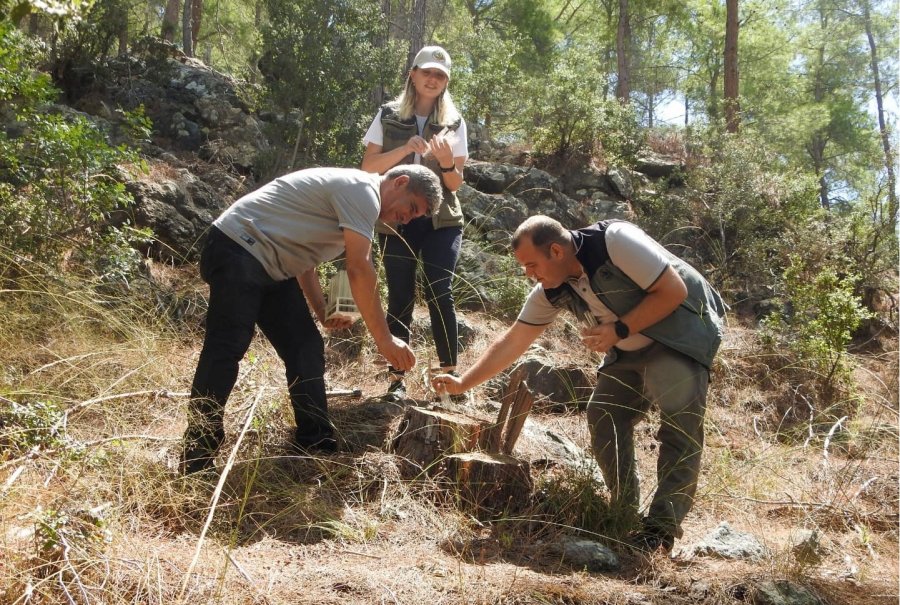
column 259, row 254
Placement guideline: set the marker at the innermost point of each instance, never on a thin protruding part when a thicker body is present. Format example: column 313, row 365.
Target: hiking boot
column 396, row 392
column 651, row 538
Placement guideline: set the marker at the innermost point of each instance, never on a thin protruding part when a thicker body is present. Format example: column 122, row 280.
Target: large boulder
column 656, row 165
column 193, row 107
column 179, row 208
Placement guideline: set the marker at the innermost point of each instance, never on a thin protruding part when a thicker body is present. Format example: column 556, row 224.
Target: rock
column 584, row 177
column 726, row 543
column 179, row 210
column 602, row 207
column 807, row 547
column 585, row 554
column 551, row 448
column 621, row 182
column 655, row 165
column 783, row 592
column 488, row 281
column 495, row 216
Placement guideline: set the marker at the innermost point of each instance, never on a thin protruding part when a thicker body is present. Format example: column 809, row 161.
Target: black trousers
column 439, row 251
column 242, row 296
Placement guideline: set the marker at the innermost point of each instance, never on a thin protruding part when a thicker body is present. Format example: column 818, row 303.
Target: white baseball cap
column 433, row 57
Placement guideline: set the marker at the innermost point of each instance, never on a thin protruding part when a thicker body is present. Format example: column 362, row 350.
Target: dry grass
column 93, row 511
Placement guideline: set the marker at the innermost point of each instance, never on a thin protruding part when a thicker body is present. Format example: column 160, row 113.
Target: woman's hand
column 441, row 146
column 417, row 144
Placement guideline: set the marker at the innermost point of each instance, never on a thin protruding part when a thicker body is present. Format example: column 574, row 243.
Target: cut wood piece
column 489, row 484
column 518, row 412
column 425, row 436
column 494, row 440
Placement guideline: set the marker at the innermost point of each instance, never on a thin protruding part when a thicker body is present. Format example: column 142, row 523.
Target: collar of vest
column 590, row 250
column 390, row 113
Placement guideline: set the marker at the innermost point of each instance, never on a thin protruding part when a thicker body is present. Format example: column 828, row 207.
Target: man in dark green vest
column 659, row 324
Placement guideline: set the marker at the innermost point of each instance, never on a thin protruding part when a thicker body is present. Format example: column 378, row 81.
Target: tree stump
column 426, row 436
column 489, row 484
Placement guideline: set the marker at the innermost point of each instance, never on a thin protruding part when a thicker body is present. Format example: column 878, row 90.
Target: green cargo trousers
column 626, row 387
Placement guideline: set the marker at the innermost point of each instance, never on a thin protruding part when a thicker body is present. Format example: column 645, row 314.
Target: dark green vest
column 694, row 328
column 396, row 133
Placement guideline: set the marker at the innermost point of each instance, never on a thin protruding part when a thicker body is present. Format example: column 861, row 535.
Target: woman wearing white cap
column 422, row 126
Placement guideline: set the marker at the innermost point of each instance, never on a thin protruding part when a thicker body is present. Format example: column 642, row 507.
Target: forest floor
column 93, row 510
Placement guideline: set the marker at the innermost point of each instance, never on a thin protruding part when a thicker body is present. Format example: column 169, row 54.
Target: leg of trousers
column 439, row 251
column 678, row 386
column 616, row 406
column 286, row 321
column 236, row 282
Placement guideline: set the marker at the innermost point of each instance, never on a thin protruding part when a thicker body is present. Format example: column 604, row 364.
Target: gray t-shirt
column 638, row 255
column 296, row 222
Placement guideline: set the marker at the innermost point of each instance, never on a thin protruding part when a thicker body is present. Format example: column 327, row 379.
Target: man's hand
column 600, row 338
column 338, row 322
column 397, row 353
column 447, row 383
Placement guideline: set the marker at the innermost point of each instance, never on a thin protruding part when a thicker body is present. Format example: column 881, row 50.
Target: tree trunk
column 170, row 20
column 416, row 32
column 187, row 37
column 196, row 17
column 425, row 437
column 623, row 39
column 893, row 206
column 489, row 485
column 732, row 107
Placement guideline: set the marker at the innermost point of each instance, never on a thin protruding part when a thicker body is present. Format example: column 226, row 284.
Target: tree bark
column 196, row 17
column 732, row 107
column 416, row 32
column 425, row 437
column 489, row 484
column 893, row 205
column 170, row 20
column 623, row 39
column 187, row 36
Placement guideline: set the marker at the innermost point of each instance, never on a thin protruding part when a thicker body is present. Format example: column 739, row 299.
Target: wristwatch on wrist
column 622, row 330
column 451, row 169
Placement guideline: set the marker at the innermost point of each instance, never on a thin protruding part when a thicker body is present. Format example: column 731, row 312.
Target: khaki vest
column 396, row 133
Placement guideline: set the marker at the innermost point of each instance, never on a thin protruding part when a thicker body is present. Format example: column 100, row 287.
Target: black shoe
column 652, row 538
column 322, row 442
column 196, row 460
column 396, row 392
column 326, row 445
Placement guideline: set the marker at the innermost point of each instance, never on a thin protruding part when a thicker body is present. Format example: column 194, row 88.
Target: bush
column 570, row 117
column 812, row 336
column 60, row 189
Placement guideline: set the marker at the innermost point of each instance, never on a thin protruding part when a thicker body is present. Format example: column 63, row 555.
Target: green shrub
column 812, row 335
column 569, row 115
column 61, row 192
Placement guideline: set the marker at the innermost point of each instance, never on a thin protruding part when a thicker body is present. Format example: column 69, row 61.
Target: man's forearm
column 312, row 289
column 501, row 354
column 363, row 282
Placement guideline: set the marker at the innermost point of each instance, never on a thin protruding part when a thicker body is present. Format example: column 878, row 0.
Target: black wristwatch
column 622, row 330
column 451, row 169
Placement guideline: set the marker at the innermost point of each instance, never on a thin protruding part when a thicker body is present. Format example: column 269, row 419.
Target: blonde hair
column 443, row 113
